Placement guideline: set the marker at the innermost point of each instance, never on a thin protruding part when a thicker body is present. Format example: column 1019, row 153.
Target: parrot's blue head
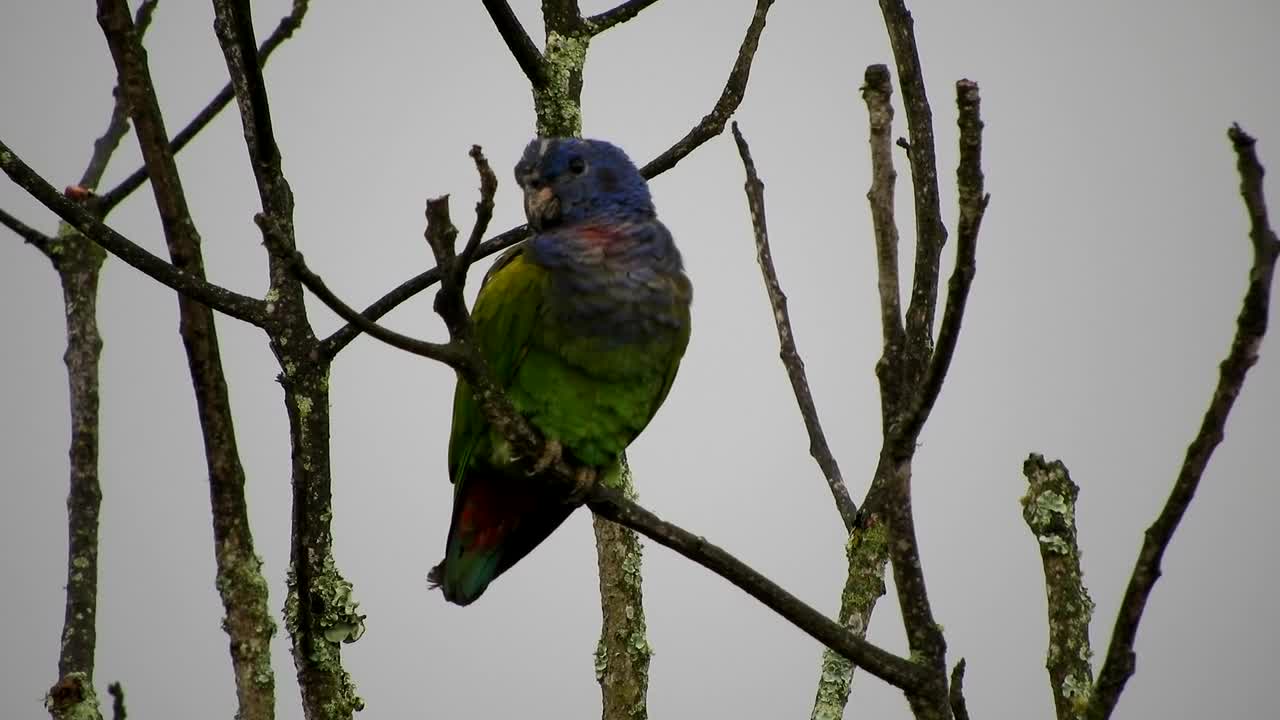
column 570, row 180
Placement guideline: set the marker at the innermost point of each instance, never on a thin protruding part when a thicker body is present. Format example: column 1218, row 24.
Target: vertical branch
column 1049, row 509
column 876, row 93
column 239, row 579
column 557, row 103
column 1251, row 326
column 623, row 651
column 320, row 611
column 931, row 235
column 867, row 551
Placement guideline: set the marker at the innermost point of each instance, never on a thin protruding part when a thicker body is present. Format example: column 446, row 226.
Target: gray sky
column 1111, row 266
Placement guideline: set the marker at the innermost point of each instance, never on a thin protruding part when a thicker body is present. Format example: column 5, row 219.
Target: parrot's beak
column 541, row 207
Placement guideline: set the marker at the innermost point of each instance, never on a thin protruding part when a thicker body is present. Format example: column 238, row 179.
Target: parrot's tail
column 497, row 519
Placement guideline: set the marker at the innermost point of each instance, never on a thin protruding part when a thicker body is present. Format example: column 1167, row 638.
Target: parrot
column 583, row 325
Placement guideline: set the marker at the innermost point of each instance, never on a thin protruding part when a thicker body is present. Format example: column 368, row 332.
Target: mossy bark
column 868, row 554
column 1049, row 509
column 79, row 263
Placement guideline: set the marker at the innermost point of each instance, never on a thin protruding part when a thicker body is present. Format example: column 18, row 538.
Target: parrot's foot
column 583, row 481
column 551, row 455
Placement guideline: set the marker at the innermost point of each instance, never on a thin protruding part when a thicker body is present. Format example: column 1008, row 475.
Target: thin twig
column 118, row 126
column 484, row 213
column 735, row 88
column 283, row 31
column 600, row 22
column 115, row 689
column 931, row 235
column 973, row 205
column 1251, row 326
column 343, row 336
column 444, row 352
column 959, row 711
column 1049, row 509
column 28, row 234
column 876, row 93
column 526, row 442
column 241, row 307
column 527, row 55
column 791, row 359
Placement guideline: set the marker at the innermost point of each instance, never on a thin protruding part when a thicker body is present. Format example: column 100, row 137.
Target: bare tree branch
column 867, row 552
column 623, row 653
column 118, row 126
column 876, row 93
column 443, row 352
column 1049, row 509
column 931, row 235
column 241, row 307
column 484, row 213
column 343, row 336
column 239, row 579
column 600, row 22
column 973, row 204
column 791, row 359
column 115, row 689
column 78, row 263
column 1251, row 326
column 959, row 710
column 29, row 235
column 283, row 31
column 319, row 610
column 518, row 41
column 735, row 88
column 924, row 635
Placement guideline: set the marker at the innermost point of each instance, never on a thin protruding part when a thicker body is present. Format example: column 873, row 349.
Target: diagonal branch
column 118, row 126
column 600, row 22
column 283, row 31
column 735, row 88
column 790, row 355
column 29, row 235
column 527, row 55
column 1251, row 325
column 332, row 345
column 241, row 307
column 447, row 353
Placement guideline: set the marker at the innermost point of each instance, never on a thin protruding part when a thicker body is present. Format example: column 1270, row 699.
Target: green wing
column 506, row 310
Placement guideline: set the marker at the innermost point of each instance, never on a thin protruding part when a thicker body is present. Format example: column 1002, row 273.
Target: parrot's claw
column 583, row 481
column 551, row 455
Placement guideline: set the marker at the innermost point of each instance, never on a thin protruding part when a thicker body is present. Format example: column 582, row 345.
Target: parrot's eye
column 534, row 183
column 577, row 165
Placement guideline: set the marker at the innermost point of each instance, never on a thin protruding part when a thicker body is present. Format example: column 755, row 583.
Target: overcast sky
column 1110, row 269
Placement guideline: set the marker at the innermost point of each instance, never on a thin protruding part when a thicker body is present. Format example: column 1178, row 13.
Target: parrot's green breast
column 592, row 392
